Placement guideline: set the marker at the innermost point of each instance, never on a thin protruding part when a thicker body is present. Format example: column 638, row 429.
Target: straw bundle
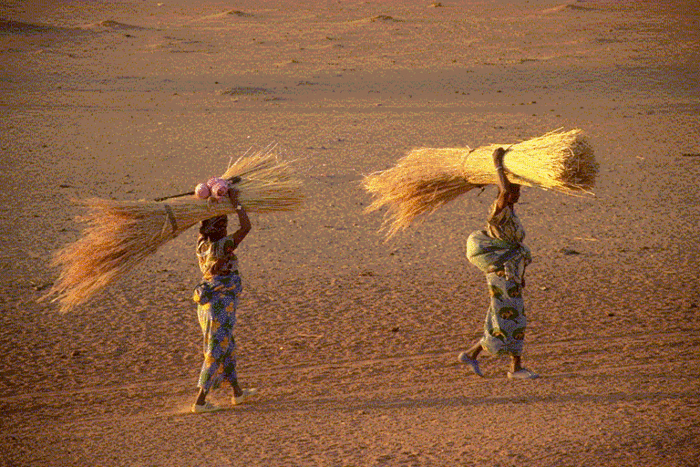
column 121, row 234
column 427, row 178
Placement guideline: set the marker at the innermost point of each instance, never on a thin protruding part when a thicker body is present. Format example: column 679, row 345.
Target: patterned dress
column 217, row 298
column 504, row 327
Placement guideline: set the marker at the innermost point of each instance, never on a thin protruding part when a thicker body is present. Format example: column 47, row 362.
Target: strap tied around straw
column 171, row 218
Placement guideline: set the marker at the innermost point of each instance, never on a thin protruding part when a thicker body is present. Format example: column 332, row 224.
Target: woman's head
column 214, row 228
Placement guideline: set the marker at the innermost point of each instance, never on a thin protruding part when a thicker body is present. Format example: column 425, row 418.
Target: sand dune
column 577, row 6
column 228, row 14
column 251, row 93
column 112, row 25
column 239, row 13
column 378, row 19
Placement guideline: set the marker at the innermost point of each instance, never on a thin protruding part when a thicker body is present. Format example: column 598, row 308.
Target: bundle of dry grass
column 427, row 178
column 121, row 234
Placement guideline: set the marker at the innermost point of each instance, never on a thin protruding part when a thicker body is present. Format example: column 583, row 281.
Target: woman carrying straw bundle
column 500, row 253
column 217, row 298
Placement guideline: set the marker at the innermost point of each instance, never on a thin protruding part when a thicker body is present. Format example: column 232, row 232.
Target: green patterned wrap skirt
column 504, row 264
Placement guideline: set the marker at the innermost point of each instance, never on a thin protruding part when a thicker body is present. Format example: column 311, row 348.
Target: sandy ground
column 353, row 340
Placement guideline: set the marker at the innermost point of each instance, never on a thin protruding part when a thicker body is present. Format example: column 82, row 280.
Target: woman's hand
column 243, row 220
column 233, row 196
column 508, row 193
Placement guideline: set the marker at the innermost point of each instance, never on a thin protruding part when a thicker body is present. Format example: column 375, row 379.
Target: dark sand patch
column 8, row 26
column 245, row 91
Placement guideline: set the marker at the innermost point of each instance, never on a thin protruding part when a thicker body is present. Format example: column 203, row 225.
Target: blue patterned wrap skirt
column 217, row 300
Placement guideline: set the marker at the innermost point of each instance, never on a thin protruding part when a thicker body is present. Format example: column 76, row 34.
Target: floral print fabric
column 504, row 327
column 217, row 300
column 217, row 258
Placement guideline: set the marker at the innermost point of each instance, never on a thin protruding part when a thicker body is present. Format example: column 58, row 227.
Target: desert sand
column 353, row 339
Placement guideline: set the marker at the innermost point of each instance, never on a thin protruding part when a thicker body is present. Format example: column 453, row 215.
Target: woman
column 217, row 297
column 500, row 253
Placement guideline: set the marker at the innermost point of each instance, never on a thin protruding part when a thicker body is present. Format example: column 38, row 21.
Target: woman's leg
column 469, row 357
column 204, row 315
column 237, row 391
column 209, row 376
column 201, row 397
column 228, row 347
column 515, row 364
column 474, row 350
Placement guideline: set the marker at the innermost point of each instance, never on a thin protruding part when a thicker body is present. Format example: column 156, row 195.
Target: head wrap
column 212, row 225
